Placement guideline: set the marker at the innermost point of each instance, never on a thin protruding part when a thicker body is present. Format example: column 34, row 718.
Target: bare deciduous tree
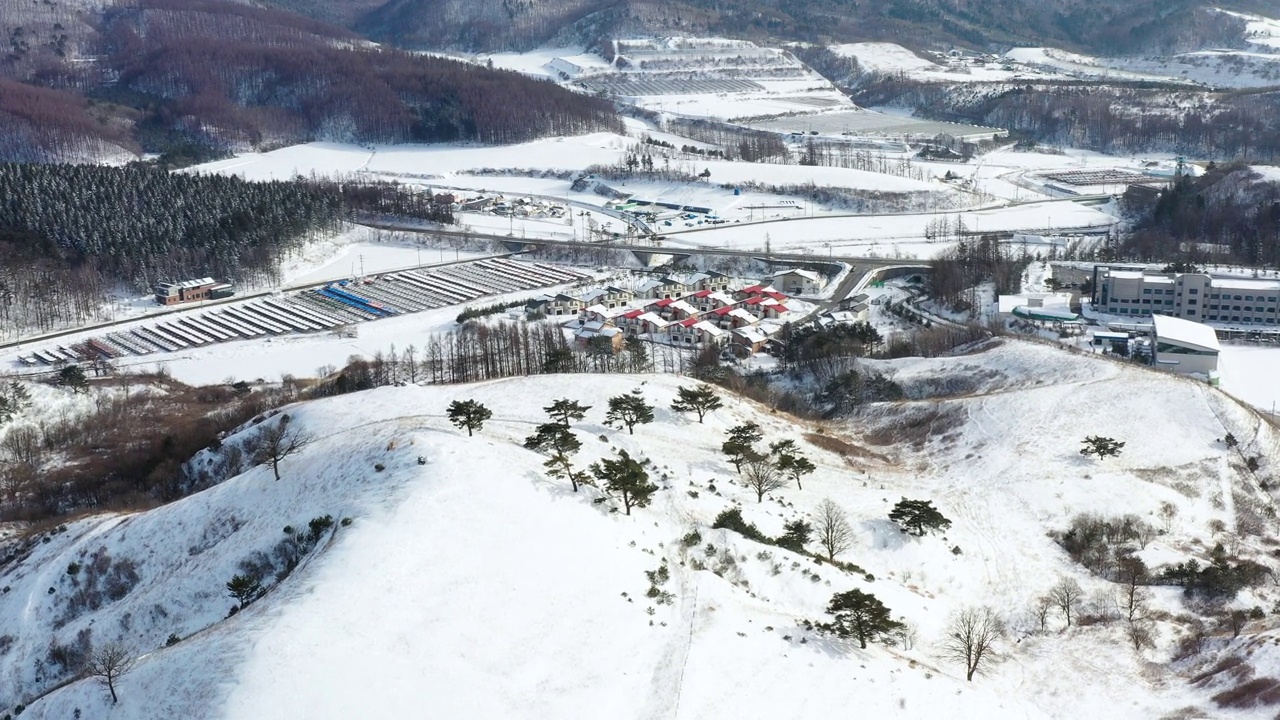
column 1066, row 597
column 109, row 663
column 1141, row 635
column 971, row 637
column 762, row 476
column 279, row 441
column 1131, row 573
column 1040, row 611
column 832, row 528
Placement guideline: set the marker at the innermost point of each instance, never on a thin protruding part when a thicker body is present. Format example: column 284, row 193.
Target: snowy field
column 892, row 59
column 860, row 122
column 1258, row 67
column 1252, row 374
column 1259, row 30
column 474, row 586
column 361, row 251
column 893, row 235
column 447, row 168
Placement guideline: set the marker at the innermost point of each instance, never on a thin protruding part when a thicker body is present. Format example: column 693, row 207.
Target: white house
column 800, row 282
column 709, row 280
column 1184, row 346
column 608, row 296
column 693, row 331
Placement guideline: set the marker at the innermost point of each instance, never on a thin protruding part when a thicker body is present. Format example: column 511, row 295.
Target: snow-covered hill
column 473, row 587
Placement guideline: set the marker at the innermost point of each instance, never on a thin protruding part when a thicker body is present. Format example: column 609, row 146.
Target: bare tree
column 762, row 476
column 1141, row 635
column 1040, row 611
column 832, row 529
column 279, row 441
column 109, row 663
column 971, row 637
column 1066, row 596
column 1131, row 573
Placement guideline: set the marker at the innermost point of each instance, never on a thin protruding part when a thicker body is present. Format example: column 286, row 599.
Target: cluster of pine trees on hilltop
column 142, row 224
column 70, row 234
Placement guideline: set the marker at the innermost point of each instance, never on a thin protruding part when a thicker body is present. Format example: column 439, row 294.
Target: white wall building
column 1190, row 296
column 1183, row 346
column 800, row 282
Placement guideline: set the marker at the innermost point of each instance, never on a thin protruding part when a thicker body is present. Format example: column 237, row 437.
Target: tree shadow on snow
column 885, row 535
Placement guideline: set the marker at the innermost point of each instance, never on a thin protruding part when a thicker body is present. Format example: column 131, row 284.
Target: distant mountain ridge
column 1095, row 26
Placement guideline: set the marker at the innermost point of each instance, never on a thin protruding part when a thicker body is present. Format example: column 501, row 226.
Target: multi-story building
column 1190, row 296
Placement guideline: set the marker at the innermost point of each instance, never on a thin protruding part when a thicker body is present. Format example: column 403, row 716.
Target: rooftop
column 1245, row 284
column 1185, row 332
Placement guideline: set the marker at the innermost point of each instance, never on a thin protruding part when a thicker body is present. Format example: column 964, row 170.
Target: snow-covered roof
column 648, row 285
column 751, row 333
column 722, row 298
column 1126, row 274
column 684, row 307
column 708, row 328
column 652, row 318
column 1245, row 284
column 806, row 274
column 843, row 316
column 1185, row 332
column 590, row 295
column 1008, row 303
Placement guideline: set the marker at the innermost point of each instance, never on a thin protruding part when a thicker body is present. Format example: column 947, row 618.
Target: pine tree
column 629, row 411
column 790, row 462
column 861, row 615
column 1103, row 447
column 795, row 535
column 918, row 517
column 626, row 478
column 244, row 588
column 564, row 411
column 468, row 414
column 73, row 376
column 561, row 445
column 700, row 400
column 19, row 396
column 740, row 447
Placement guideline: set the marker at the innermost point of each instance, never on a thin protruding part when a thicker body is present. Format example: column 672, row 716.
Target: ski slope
column 473, row 587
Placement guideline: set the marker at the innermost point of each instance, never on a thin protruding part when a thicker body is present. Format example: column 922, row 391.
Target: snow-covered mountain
column 471, row 586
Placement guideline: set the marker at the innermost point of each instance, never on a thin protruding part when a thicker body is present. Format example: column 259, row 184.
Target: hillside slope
column 1091, row 25
column 471, row 586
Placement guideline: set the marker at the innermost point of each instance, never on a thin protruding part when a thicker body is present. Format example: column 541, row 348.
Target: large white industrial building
column 1189, row 296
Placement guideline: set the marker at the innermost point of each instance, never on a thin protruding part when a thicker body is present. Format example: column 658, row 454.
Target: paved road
column 855, row 216
column 657, row 249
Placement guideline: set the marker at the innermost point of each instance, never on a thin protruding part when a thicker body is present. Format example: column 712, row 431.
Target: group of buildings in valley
column 699, row 310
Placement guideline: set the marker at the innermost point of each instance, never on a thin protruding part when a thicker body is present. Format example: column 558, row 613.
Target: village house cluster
column 698, row 310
